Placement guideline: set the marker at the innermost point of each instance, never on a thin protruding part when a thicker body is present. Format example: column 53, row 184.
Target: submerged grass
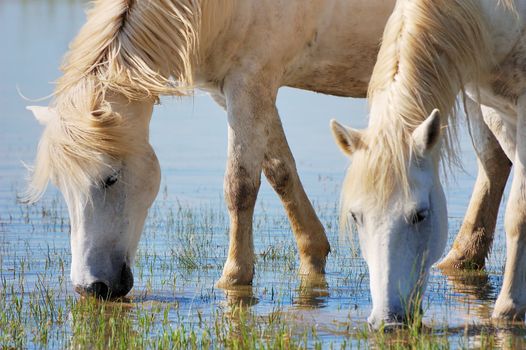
column 174, row 303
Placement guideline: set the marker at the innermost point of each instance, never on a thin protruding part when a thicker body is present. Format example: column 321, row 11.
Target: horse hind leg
column 280, row 170
column 511, row 302
column 474, row 240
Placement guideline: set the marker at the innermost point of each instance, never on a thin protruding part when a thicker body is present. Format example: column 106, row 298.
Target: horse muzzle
column 106, row 290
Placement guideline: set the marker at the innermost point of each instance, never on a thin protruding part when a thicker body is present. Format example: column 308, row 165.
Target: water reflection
column 312, row 293
column 511, row 338
column 240, row 296
column 36, row 34
column 473, row 291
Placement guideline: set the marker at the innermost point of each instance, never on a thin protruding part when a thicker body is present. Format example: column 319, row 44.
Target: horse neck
column 216, row 20
column 428, row 55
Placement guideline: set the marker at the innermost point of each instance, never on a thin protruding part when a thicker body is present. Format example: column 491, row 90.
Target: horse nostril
column 125, row 283
column 99, row 290
column 396, row 317
column 119, row 288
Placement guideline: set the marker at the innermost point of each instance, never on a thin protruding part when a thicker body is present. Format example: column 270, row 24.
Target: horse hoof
column 227, row 282
column 507, row 312
column 455, row 261
column 312, row 267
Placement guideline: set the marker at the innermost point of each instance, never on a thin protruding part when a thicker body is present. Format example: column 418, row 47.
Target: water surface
column 185, row 240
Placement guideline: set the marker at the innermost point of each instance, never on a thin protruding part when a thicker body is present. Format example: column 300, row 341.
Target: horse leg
column 474, row 240
column 511, row 303
column 280, row 169
column 248, row 107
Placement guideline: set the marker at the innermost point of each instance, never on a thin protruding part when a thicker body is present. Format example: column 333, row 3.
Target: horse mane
column 135, row 49
column 427, row 47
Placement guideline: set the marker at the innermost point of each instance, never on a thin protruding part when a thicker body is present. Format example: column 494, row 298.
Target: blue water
column 190, row 136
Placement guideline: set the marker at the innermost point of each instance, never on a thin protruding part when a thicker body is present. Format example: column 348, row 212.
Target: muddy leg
column 248, row 107
column 473, row 242
column 280, row 169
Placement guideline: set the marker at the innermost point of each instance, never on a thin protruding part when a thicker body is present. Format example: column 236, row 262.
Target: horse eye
column 419, row 216
column 111, row 180
column 357, row 218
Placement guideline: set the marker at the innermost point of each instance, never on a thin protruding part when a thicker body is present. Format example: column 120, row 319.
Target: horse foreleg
column 511, row 303
column 280, row 169
column 474, row 240
column 247, row 110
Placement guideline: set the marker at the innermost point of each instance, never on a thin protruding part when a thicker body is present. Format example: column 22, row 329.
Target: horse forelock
column 427, row 48
column 81, row 143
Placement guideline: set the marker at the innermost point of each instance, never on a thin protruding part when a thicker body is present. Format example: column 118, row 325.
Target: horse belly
column 348, row 78
column 340, row 57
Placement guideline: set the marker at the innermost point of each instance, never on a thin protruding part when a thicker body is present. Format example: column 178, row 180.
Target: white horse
column 431, row 51
column 95, row 145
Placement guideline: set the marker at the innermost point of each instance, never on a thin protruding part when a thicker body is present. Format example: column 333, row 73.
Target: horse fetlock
column 312, row 264
column 507, row 309
column 469, row 251
column 314, row 245
column 236, row 274
column 455, row 261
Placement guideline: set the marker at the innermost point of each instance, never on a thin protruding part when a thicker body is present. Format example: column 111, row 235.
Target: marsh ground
column 174, row 302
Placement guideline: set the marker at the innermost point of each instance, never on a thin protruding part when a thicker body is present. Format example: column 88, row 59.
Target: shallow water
column 185, row 240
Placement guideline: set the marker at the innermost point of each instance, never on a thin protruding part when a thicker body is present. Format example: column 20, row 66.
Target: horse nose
column 103, row 290
column 97, row 289
column 126, row 282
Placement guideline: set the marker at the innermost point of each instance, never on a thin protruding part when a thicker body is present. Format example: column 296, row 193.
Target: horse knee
column 241, row 189
column 279, row 174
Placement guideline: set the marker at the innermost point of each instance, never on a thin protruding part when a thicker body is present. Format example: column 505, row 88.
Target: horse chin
column 388, row 324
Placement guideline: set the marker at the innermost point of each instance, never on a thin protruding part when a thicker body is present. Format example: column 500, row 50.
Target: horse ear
column 43, row 114
column 349, row 140
column 427, row 134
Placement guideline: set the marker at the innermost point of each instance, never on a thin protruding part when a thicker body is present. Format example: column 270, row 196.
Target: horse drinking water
column 431, row 51
column 95, row 146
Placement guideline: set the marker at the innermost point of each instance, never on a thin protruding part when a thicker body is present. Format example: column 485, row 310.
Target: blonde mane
column 430, row 49
column 134, row 49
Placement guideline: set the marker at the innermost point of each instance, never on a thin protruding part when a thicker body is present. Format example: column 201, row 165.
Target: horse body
column 431, row 51
column 95, row 145
column 323, row 46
